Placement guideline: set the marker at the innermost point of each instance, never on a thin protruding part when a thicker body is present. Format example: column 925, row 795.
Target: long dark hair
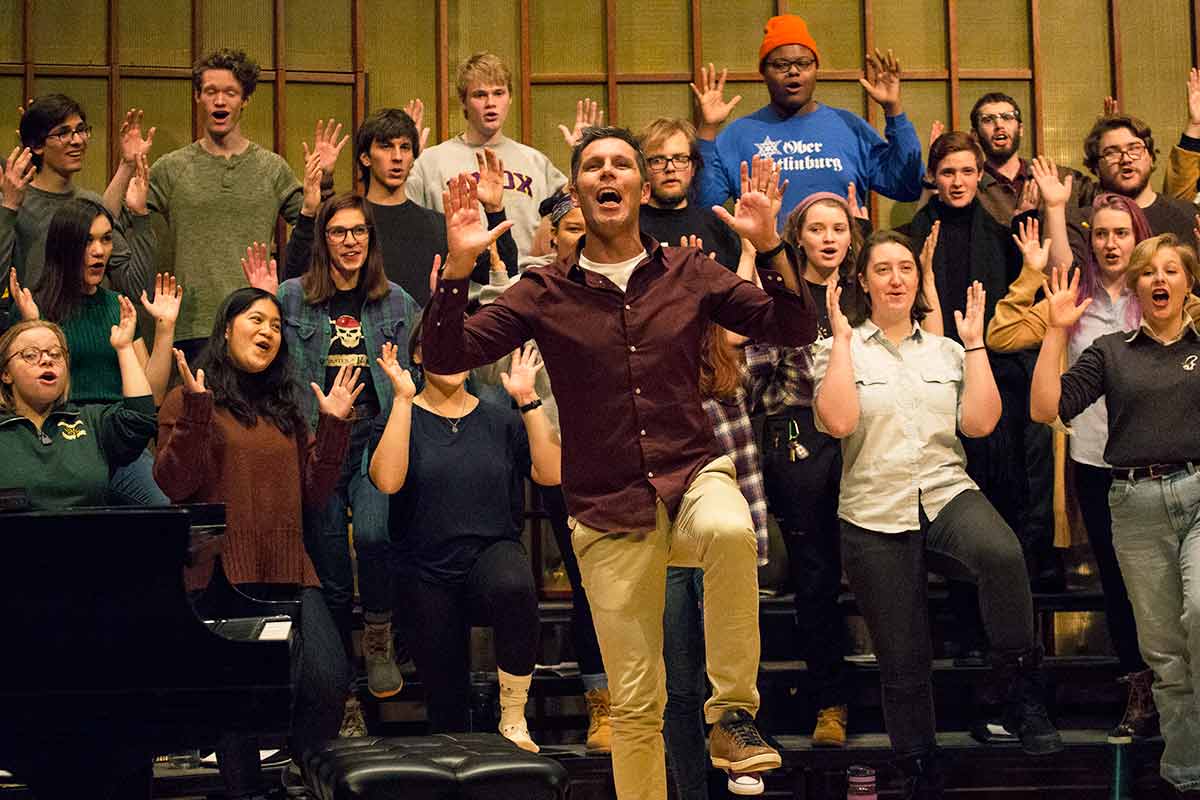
column 317, row 282
column 272, row 393
column 858, row 309
column 59, row 290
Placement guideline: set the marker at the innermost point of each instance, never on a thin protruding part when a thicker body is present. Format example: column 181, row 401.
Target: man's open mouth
column 608, row 198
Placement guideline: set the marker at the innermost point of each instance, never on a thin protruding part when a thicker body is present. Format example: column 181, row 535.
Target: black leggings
column 1091, row 487
column 437, row 618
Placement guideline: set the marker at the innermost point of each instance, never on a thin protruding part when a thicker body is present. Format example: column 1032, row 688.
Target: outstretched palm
column 467, row 234
column 1061, row 298
column 340, row 399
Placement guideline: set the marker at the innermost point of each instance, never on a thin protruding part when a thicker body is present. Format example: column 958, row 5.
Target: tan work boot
column 736, row 745
column 831, row 727
column 514, row 694
column 353, row 724
column 383, row 675
column 599, row 735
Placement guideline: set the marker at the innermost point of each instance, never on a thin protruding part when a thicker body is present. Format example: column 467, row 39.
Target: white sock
column 514, row 693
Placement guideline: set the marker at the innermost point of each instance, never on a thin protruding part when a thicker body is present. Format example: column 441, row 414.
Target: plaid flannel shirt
column 779, row 377
column 731, row 425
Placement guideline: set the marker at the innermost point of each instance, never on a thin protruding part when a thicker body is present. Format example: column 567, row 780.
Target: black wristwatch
column 530, row 406
column 766, row 256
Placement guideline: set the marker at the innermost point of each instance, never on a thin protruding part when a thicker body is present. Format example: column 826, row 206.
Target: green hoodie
column 68, row 462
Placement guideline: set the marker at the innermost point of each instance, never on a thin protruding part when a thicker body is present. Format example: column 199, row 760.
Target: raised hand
column 313, row 175
column 1061, row 296
column 167, row 297
column 261, row 272
column 1035, row 252
column 121, row 335
column 839, row 325
column 402, row 382
column 692, row 240
column 970, row 325
column 467, row 234
column 763, row 176
column 22, row 298
column 1054, row 192
column 1111, row 107
column 192, row 384
column 415, row 109
column 327, row 145
column 588, row 114
column 710, row 96
column 882, row 81
column 929, row 248
column 936, row 129
column 753, row 215
column 18, row 174
column 1030, row 197
column 138, row 191
column 490, row 188
column 856, row 211
column 133, row 145
column 518, row 381
column 433, row 273
column 345, row 390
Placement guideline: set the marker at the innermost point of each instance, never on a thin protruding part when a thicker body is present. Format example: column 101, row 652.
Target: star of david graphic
column 768, row 148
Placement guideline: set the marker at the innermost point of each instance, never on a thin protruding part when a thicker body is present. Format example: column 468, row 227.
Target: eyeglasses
column 659, row 163
column 65, row 135
column 33, row 355
column 1006, row 116
column 338, row 234
column 784, row 65
column 1113, row 155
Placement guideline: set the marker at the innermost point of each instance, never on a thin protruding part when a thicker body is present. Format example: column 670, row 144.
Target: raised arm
column 1045, row 392
column 544, row 448
column 933, row 322
column 184, row 462
column 835, row 399
column 164, row 309
column 134, row 148
column 389, row 461
column 895, row 161
column 135, row 245
column 1055, row 194
column 588, row 114
column 754, row 218
column 1183, row 167
column 326, row 451
column 980, row 403
column 1017, row 323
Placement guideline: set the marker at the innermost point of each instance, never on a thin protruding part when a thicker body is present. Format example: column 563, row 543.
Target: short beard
column 1000, row 156
column 1130, row 193
column 668, row 200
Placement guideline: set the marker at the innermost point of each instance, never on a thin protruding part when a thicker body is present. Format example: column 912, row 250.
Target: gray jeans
column 1156, row 533
column 888, row 573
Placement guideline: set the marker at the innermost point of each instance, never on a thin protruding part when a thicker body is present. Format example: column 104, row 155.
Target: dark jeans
column 437, row 620
column 320, row 674
column 328, row 543
column 687, row 685
column 583, row 630
column 1091, row 487
column 889, row 575
column 803, row 496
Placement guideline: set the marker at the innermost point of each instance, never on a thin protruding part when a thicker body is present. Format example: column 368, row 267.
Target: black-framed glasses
column 784, row 65
column 33, row 355
column 659, row 163
column 1134, row 150
column 64, row 134
column 339, row 234
column 1005, row 116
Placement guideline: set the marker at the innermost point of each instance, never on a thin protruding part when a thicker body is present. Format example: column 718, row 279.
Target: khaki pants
column 625, row 578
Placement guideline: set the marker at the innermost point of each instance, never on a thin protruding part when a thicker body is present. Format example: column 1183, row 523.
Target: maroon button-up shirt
column 625, row 367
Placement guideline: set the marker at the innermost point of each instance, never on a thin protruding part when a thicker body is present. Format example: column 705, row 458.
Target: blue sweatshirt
column 821, row 151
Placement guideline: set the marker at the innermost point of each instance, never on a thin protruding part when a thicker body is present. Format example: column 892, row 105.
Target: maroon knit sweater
column 264, row 478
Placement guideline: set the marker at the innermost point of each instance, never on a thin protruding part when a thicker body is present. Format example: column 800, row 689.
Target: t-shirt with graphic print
column 347, row 347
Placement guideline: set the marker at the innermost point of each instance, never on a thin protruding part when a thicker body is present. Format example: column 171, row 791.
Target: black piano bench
column 473, row 766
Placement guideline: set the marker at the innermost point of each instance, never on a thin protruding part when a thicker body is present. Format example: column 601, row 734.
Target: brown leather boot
column 1141, row 717
column 599, row 734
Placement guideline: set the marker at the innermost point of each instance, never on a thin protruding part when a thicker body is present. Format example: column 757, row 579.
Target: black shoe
column 923, row 779
column 1025, row 714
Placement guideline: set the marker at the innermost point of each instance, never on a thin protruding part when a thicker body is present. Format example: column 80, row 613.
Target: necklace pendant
column 454, row 426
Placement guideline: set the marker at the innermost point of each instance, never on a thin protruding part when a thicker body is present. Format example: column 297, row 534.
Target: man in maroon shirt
column 618, row 322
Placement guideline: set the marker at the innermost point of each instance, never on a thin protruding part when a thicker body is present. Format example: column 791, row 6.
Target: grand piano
column 103, row 660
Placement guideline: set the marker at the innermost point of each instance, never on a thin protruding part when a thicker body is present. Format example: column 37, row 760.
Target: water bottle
column 860, row 783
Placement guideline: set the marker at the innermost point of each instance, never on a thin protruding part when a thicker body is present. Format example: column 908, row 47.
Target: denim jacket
column 306, row 329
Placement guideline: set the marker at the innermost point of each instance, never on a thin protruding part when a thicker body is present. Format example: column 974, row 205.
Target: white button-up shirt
column 904, row 455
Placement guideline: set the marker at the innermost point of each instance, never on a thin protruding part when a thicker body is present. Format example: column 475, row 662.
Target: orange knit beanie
column 786, row 29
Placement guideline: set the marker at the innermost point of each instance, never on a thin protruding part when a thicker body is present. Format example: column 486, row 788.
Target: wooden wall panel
column 642, row 102
column 399, row 55
column 653, row 37
column 554, row 105
column 835, row 27
column 87, row 21
column 492, row 25
column 156, row 33
column 993, row 34
column 1156, row 42
column 306, row 103
column 168, row 106
column 10, row 98
column 92, row 95
column 840, row 94
column 754, row 96
column 240, row 25
column 1076, row 77
column 258, row 121
column 733, row 46
column 11, row 31
column 567, row 37
column 915, row 29
column 318, row 35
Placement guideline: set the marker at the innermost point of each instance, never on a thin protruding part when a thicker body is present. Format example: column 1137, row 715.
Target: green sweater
column 95, row 373
column 216, row 207
column 70, row 466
